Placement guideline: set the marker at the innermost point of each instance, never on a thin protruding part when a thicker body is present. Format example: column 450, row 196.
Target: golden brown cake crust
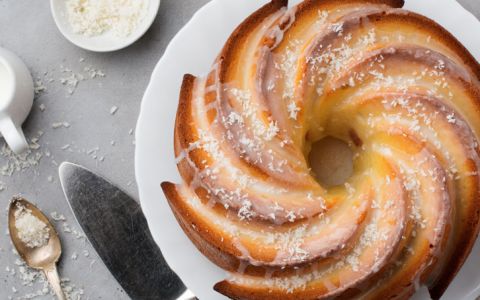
column 231, row 228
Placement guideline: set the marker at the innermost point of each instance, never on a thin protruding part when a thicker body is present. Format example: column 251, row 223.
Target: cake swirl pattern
column 394, row 85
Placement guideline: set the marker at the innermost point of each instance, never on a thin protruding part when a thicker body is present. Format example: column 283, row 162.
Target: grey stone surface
column 27, row 28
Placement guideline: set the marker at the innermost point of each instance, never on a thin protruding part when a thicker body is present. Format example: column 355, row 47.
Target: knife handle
column 54, row 280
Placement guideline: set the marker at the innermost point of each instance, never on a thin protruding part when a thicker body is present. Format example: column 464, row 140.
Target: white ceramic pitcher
column 16, row 99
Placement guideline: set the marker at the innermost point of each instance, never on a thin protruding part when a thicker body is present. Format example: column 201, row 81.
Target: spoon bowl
column 42, row 258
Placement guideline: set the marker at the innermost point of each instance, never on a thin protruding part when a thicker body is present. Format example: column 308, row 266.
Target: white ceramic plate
column 192, row 51
column 105, row 42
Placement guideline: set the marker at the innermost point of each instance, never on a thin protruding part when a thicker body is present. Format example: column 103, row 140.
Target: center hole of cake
column 331, row 161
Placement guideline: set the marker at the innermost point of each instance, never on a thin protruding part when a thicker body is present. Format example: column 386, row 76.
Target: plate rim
column 142, row 125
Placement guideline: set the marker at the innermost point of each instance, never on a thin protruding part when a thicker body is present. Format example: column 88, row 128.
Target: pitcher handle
column 13, row 135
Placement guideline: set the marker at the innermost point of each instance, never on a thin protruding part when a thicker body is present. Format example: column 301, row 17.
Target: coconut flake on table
column 32, row 231
column 39, row 86
column 20, row 162
column 57, row 216
column 66, row 77
column 35, row 279
column 57, row 125
column 113, row 110
column 95, row 17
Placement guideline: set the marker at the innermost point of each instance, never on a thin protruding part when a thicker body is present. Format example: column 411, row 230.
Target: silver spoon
column 42, row 258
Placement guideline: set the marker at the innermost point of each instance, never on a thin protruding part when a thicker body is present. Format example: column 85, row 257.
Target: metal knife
column 116, row 227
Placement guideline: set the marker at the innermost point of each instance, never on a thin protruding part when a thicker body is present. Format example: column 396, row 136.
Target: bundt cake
column 398, row 88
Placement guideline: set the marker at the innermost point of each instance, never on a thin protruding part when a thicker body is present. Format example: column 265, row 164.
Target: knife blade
column 116, row 227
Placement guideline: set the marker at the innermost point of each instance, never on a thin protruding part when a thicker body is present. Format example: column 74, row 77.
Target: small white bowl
column 107, row 41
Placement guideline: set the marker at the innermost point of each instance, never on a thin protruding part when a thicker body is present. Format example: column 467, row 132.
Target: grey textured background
column 27, row 28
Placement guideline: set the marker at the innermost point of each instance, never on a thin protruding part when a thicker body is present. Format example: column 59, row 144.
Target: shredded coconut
column 293, row 110
column 29, row 277
column 95, row 17
column 113, row 110
column 31, row 230
column 20, row 162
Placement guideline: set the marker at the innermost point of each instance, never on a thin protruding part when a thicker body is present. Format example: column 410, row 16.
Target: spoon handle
column 54, row 279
